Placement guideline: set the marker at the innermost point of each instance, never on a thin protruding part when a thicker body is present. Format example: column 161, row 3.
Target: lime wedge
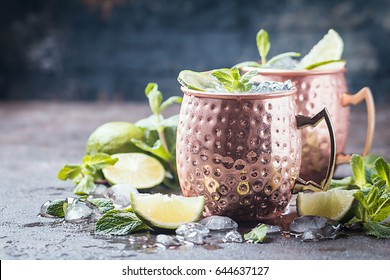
column 166, row 212
column 334, row 204
column 330, row 47
column 136, row 169
column 197, row 80
column 327, row 65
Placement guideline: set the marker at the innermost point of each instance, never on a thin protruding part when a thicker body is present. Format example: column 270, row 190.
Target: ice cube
column 287, row 85
column 167, row 240
column 120, row 194
column 77, row 211
column 272, row 229
column 233, row 236
column 43, row 212
column 315, row 228
column 189, row 227
column 218, row 223
column 284, row 63
column 194, row 237
column 98, row 191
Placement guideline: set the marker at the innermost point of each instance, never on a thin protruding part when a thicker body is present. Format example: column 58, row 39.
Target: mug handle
column 302, row 122
column 354, row 99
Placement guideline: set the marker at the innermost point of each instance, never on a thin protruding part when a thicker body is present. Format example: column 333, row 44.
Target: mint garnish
column 85, row 174
column 257, row 234
column 120, row 222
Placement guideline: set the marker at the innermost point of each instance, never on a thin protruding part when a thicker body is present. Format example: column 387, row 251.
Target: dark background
column 110, row 49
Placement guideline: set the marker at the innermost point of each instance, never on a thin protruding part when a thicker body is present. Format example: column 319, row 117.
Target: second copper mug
column 242, row 152
column 317, row 89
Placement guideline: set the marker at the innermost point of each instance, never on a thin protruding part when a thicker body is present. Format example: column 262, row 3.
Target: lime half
column 330, row 47
column 166, row 212
column 136, row 169
column 334, row 204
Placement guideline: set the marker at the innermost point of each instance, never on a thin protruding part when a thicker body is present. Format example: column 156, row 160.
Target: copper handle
column 302, row 122
column 354, row 99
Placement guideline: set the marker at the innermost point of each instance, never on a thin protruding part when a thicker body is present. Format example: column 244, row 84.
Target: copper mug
column 242, row 152
column 317, row 89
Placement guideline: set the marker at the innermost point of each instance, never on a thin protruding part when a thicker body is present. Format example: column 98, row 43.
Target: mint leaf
column 98, row 161
column 248, row 76
column 85, row 186
column 369, row 162
column 376, row 229
column 383, row 170
column 56, row 208
column 358, row 169
column 171, row 100
column 155, row 97
column 231, row 80
column 120, row 222
column 342, row 183
column 157, row 149
column 263, row 45
column 257, row 234
column 69, row 171
column 104, row 205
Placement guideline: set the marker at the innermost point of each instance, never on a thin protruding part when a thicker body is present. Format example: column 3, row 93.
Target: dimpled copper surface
column 316, row 90
column 242, row 155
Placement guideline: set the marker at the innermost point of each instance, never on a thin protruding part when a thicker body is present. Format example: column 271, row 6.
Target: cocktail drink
column 321, row 82
column 242, row 150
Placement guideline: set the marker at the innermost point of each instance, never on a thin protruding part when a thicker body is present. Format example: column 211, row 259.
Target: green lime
column 136, row 169
column 330, row 47
column 334, row 204
column 166, row 212
column 113, row 138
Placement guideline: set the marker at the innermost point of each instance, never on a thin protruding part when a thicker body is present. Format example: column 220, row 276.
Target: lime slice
column 327, row 65
column 334, row 204
column 140, row 170
column 161, row 211
column 330, row 47
column 113, row 138
column 197, row 81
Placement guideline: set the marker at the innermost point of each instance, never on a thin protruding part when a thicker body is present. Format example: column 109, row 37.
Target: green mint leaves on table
column 371, row 177
column 85, row 175
column 160, row 133
column 56, row 208
column 120, row 222
column 257, row 234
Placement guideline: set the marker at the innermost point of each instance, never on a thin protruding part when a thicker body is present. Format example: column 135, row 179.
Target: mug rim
column 293, row 72
column 237, row 96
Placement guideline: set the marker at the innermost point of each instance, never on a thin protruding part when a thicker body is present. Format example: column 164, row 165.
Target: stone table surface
column 38, row 138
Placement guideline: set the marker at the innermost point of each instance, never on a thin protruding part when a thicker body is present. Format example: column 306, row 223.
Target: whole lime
column 113, row 138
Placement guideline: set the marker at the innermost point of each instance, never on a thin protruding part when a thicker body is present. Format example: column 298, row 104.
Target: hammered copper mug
column 317, row 89
column 242, row 152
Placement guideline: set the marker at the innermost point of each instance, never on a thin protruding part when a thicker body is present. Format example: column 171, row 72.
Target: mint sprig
column 232, row 81
column 371, row 178
column 264, row 46
column 85, row 175
column 160, row 133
